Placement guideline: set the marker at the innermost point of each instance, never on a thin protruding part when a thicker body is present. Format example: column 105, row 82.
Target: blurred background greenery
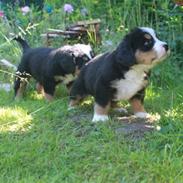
column 117, row 18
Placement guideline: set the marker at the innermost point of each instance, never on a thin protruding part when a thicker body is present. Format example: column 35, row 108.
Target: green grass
column 44, row 142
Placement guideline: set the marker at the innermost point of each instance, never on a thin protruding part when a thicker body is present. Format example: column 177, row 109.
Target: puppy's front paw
column 98, row 117
column 142, row 114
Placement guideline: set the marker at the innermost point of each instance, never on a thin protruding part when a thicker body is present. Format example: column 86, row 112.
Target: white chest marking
column 65, row 79
column 134, row 81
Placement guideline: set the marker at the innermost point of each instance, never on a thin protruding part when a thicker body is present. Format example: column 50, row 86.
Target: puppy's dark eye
column 147, row 42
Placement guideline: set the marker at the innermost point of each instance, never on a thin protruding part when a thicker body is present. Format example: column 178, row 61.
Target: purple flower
column 68, row 8
column 1, row 14
column 25, row 10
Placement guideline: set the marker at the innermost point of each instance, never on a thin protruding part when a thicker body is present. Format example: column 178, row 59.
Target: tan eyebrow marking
column 147, row 36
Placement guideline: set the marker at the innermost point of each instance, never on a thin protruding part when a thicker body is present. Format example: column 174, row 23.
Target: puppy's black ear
column 68, row 64
column 124, row 53
column 65, row 62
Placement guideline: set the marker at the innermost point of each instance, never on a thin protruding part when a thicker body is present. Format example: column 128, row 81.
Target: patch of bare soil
column 136, row 128
column 129, row 126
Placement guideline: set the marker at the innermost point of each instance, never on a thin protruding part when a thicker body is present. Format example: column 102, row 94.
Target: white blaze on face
column 85, row 49
column 158, row 45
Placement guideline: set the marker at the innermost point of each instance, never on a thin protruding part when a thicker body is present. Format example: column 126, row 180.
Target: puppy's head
column 141, row 46
column 86, row 50
column 82, row 54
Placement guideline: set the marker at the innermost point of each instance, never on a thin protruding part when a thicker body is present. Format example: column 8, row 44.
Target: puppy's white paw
column 142, row 114
column 97, row 118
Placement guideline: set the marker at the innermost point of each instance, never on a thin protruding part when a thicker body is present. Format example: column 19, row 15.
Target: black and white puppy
column 121, row 74
column 50, row 66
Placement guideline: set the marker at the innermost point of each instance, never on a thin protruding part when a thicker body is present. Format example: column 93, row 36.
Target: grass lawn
column 43, row 142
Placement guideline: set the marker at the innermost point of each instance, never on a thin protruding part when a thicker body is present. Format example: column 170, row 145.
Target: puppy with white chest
column 121, row 74
column 50, row 66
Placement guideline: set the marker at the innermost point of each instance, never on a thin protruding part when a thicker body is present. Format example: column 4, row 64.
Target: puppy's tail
column 23, row 43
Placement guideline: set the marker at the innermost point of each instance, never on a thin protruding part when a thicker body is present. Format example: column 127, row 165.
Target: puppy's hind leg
column 49, row 89
column 77, row 93
column 39, row 88
column 102, row 102
column 101, row 112
column 19, row 86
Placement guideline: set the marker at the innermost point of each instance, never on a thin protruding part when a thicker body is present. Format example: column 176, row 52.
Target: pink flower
column 25, row 10
column 68, row 8
column 1, row 14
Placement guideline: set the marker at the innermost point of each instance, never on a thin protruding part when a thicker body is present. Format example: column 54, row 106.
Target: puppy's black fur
column 97, row 78
column 48, row 66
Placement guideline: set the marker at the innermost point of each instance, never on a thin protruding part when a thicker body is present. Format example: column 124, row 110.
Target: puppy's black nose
column 166, row 47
